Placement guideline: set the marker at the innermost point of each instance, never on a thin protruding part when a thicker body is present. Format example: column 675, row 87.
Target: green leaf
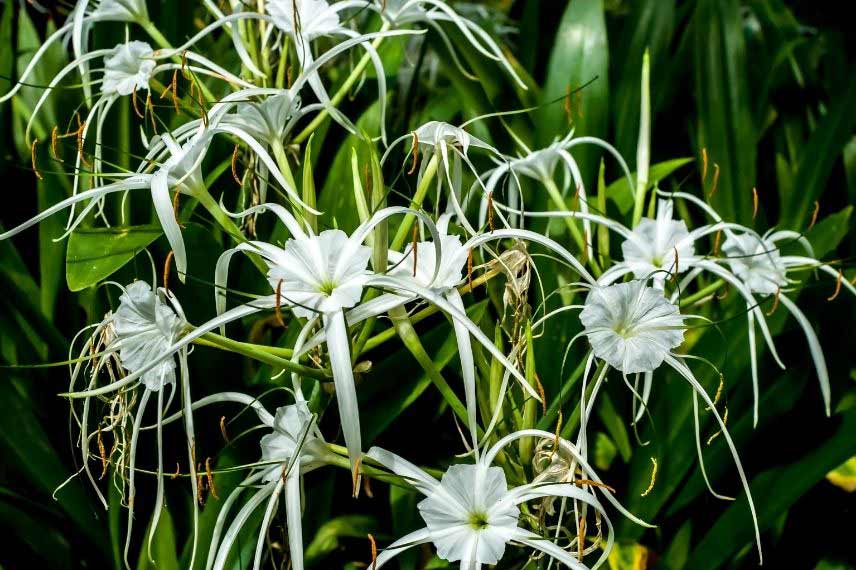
column 327, row 538
column 163, row 546
column 776, row 490
column 829, row 232
column 726, row 127
column 96, row 253
column 844, row 476
column 621, row 193
column 580, row 53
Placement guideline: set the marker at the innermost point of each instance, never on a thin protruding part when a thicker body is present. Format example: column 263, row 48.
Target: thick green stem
column 401, row 235
column 343, row 90
column 255, row 352
column 702, row 293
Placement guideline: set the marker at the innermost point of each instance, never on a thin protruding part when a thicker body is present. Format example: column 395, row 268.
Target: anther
column 703, row 164
column 716, row 242
column 754, row 202
column 166, row 267
column 775, row 303
column 581, row 538
column 490, row 210
column 814, row 214
column 33, row 159
column 724, row 422
column 715, row 185
column 414, row 150
column 103, row 453
column 177, row 471
column 277, row 308
column 134, row 104
column 653, row 478
column 223, row 429
column 54, row 144
column 374, row 551
column 837, row 287
column 209, row 476
column 355, row 476
column 470, row 268
column 541, row 393
column 235, row 176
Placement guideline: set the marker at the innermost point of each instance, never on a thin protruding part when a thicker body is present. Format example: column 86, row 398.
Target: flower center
column 327, row 287
column 478, row 521
column 624, row 329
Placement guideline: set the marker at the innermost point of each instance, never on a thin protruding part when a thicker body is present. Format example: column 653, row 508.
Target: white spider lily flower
column 434, row 13
column 471, row 514
column 759, row 263
column 436, row 141
column 308, row 20
column 294, row 447
column 128, row 68
column 140, row 332
column 84, row 14
column 658, row 245
column 631, row 326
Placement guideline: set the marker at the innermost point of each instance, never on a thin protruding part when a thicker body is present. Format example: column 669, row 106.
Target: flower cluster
column 333, row 287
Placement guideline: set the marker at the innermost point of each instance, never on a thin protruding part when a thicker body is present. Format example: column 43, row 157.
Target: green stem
column 343, row 90
column 559, row 201
column 401, row 235
column 255, row 352
column 702, row 293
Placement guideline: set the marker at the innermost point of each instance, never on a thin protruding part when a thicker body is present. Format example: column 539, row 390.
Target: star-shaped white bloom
column 323, row 273
column 145, row 328
column 659, row 245
column 128, row 68
column 756, row 261
column 294, row 434
column 631, row 326
column 308, row 18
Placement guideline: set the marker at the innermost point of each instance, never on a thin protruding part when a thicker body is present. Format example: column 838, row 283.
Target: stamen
column 223, row 429
column 814, row 214
column 289, row 76
column 716, row 242
column 566, row 104
column 166, row 267
column 581, row 537
column 33, row 159
column 367, row 487
column 150, row 110
column 277, row 309
column 754, row 202
column 585, row 257
column 415, row 248
column 209, row 476
column 592, row 483
column 541, row 393
column 558, row 431
column 54, row 144
column 199, row 497
column 172, row 89
column 355, row 475
column 725, row 291
column 470, row 269
column 134, row 104
column 775, row 303
column 79, row 135
column 715, row 185
column 235, row 176
column 414, row 150
column 677, row 261
column 103, row 453
column 184, row 64
column 490, row 210
column 724, row 421
column 653, row 478
column 719, row 389
column 703, row 164
column 175, row 475
column 837, row 287
column 374, row 551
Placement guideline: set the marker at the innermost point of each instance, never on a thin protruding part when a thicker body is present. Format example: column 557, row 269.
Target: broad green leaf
column 820, row 154
column 328, row 537
column 830, row 231
column 844, row 476
column 164, row 555
column 776, row 490
column 580, row 54
column 96, row 253
column 675, row 556
column 621, row 193
column 726, row 127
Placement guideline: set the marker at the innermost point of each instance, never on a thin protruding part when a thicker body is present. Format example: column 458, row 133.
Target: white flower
column 452, row 264
column 471, row 514
column 659, row 245
column 270, row 119
column 117, row 10
column 145, row 328
column 294, row 433
column 320, row 273
column 631, row 326
column 756, row 261
column 314, row 18
column 128, row 68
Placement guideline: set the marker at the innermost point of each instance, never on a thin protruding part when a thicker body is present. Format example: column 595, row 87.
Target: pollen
column 653, row 478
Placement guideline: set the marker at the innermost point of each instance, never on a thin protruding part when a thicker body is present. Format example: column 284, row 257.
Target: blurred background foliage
column 765, row 87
